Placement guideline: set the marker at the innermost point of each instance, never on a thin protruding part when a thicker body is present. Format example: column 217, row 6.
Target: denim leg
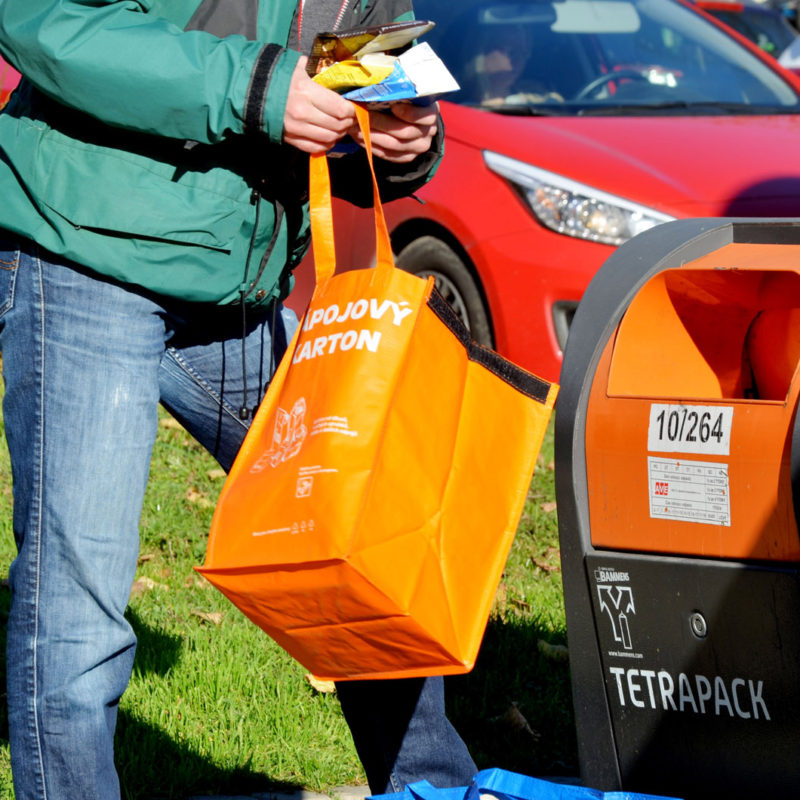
column 80, row 364
column 402, row 734
column 202, row 380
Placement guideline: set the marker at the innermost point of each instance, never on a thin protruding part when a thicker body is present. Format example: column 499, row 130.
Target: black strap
column 257, row 91
column 516, row 377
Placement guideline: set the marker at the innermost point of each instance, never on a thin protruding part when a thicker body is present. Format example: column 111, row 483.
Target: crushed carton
column 380, row 65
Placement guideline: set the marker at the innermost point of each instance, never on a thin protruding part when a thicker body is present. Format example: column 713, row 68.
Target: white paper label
column 690, row 491
column 682, row 428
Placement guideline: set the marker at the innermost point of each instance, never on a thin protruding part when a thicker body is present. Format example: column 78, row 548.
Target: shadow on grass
column 513, row 684
column 151, row 764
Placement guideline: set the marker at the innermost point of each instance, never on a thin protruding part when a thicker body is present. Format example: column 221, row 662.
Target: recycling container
column 677, row 456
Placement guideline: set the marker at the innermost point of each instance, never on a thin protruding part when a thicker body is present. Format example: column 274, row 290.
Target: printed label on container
column 682, row 428
column 690, row 491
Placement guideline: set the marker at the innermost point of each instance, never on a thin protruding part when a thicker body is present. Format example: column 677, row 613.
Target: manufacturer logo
column 661, row 489
column 617, row 603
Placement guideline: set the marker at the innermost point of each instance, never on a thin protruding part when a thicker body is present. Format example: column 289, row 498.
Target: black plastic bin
column 677, row 453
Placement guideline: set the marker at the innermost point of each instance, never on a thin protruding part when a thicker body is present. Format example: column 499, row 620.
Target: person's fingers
column 418, row 115
column 397, row 139
column 315, row 118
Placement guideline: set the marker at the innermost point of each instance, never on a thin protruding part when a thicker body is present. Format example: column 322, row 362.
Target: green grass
column 214, row 706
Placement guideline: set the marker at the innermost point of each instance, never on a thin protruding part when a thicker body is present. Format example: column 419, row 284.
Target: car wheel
column 429, row 256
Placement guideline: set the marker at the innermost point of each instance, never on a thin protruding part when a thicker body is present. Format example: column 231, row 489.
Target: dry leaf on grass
column 169, row 422
column 198, row 498
column 324, row 687
column 216, row 474
column 548, row 508
column 214, row 617
column 555, row 652
column 521, row 604
column 545, row 562
column 500, row 597
column 145, row 584
column 515, row 719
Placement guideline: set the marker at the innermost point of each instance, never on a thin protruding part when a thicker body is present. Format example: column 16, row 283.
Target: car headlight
column 573, row 208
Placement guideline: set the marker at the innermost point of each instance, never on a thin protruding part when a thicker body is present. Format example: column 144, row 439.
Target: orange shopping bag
column 367, row 519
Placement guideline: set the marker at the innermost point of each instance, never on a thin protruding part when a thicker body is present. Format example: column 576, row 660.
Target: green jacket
column 145, row 141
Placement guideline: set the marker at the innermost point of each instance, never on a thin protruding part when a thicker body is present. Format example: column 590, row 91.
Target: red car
column 579, row 124
column 765, row 26
column 9, row 78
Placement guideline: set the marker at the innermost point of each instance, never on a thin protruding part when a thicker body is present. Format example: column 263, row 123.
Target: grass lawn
column 214, row 706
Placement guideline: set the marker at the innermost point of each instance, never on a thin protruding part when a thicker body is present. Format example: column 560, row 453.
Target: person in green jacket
column 153, row 169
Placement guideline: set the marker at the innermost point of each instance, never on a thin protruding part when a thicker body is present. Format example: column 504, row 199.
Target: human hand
column 315, row 117
column 402, row 133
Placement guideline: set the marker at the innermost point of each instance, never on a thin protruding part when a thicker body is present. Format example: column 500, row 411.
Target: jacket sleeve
column 138, row 71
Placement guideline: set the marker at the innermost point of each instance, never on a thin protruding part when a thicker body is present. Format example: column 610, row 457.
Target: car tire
column 429, row 256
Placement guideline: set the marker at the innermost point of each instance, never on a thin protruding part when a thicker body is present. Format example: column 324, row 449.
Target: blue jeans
column 86, row 363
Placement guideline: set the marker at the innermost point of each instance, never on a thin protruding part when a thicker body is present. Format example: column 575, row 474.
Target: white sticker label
column 690, row 429
column 690, row 491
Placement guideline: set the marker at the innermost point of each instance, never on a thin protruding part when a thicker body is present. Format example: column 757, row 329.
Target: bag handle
column 423, row 790
column 505, row 785
column 321, row 213
column 500, row 782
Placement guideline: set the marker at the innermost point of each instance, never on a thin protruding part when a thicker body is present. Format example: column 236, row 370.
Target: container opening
column 722, row 333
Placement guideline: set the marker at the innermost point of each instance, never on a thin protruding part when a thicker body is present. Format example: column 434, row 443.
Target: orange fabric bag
column 367, row 519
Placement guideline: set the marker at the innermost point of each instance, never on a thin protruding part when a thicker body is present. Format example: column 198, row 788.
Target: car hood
column 686, row 166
